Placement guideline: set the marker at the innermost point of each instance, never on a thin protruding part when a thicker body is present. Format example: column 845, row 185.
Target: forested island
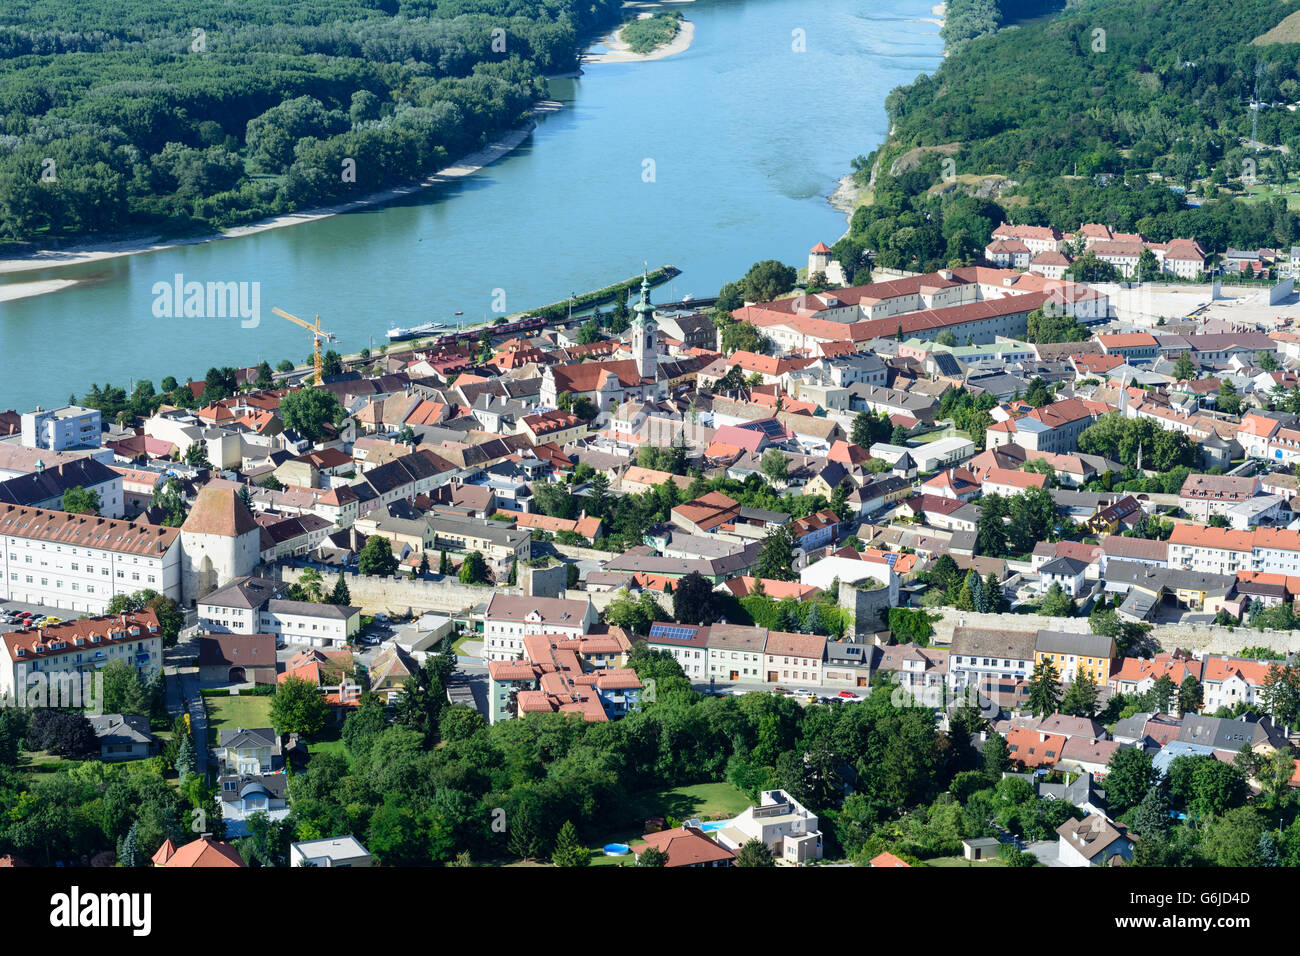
column 1110, row 111
column 649, row 33
column 187, row 116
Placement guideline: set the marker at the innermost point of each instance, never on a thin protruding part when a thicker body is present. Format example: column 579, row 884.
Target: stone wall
column 1201, row 638
column 402, row 595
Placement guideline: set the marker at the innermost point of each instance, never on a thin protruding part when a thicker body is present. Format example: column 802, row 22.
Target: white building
column 59, row 428
column 52, row 658
column 79, row 562
column 250, row 605
column 338, row 852
column 508, row 619
column 782, row 823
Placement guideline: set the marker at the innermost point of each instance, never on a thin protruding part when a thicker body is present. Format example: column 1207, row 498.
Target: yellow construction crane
column 317, row 335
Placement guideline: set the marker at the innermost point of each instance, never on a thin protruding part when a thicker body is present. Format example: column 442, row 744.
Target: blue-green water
column 747, row 138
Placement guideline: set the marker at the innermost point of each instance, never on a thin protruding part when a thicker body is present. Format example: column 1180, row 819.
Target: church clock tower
column 645, row 333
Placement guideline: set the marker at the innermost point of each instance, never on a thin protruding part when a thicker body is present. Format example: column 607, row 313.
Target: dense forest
column 1087, row 116
column 187, row 116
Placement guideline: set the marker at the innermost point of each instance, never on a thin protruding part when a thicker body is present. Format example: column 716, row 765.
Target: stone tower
column 220, row 541
column 645, row 334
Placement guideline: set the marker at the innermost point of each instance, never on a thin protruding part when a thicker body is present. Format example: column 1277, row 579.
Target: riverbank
column 25, row 290
column 55, row 258
column 619, row 52
column 848, row 195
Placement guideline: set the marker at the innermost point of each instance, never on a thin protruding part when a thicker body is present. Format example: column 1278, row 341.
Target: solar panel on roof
column 672, row 633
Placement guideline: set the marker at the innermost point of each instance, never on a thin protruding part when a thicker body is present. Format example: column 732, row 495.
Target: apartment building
column 79, row 562
column 1227, row 551
column 64, row 652
column 508, row 619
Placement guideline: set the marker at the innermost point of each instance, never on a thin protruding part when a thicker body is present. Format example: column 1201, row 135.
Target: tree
column 187, row 759
column 652, row 856
column 1185, row 369
column 80, row 501
column 776, row 558
column 298, row 708
column 309, row 410
column 444, row 563
column 377, row 557
column 1081, row 699
column 197, row 455
column 1189, row 695
column 128, row 850
column 1056, row 603
column 341, row 596
column 168, row 500
column 1044, row 688
column 990, row 530
column 474, row 569
column 271, row 483
column 775, row 466
column 768, row 279
column 997, row 759
column 694, row 600
column 1151, row 820
column 1161, row 694
column 569, row 850
column 62, row 733
column 1129, row 775
column 754, row 853
column 124, row 691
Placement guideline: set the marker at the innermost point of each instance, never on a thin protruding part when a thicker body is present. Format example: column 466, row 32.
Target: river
column 708, row 160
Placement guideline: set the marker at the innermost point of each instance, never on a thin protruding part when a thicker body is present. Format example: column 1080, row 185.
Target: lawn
column 229, row 713
column 962, row 861
column 705, row 801
column 941, row 433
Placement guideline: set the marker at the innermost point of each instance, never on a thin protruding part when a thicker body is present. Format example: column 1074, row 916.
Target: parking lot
column 9, row 608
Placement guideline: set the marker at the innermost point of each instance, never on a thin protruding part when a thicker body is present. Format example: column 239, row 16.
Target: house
column 796, row 658
column 1034, row 748
column 242, row 795
column 1204, row 495
column 687, row 846
column 1092, row 841
column 736, row 652
column 236, row 659
column 565, row 675
column 248, row 752
column 1067, row 572
column 1075, row 655
column 688, row 644
column 781, row 823
column 88, row 560
column 996, row 662
column 203, row 852
column 345, row 852
column 123, row 736
column 980, row 848
column 508, row 619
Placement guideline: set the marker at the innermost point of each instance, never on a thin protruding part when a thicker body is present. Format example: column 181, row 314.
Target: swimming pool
column 617, row 849
column 714, row 825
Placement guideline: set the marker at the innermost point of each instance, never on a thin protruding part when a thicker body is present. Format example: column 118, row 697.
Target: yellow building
column 1076, row 654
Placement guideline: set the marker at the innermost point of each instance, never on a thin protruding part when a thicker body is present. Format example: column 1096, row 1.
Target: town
column 990, row 566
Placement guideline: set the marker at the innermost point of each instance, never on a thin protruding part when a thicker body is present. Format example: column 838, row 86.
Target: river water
column 708, row 160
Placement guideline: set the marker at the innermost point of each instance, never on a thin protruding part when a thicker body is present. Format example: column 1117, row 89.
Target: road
column 182, row 675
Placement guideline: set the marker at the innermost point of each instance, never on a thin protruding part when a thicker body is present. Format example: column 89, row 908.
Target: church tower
column 645, row 334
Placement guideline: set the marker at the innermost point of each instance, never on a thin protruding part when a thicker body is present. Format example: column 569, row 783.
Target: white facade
column 61, row 428
column 82, row 579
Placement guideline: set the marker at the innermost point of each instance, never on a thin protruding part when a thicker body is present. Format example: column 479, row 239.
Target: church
column 639, row 378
